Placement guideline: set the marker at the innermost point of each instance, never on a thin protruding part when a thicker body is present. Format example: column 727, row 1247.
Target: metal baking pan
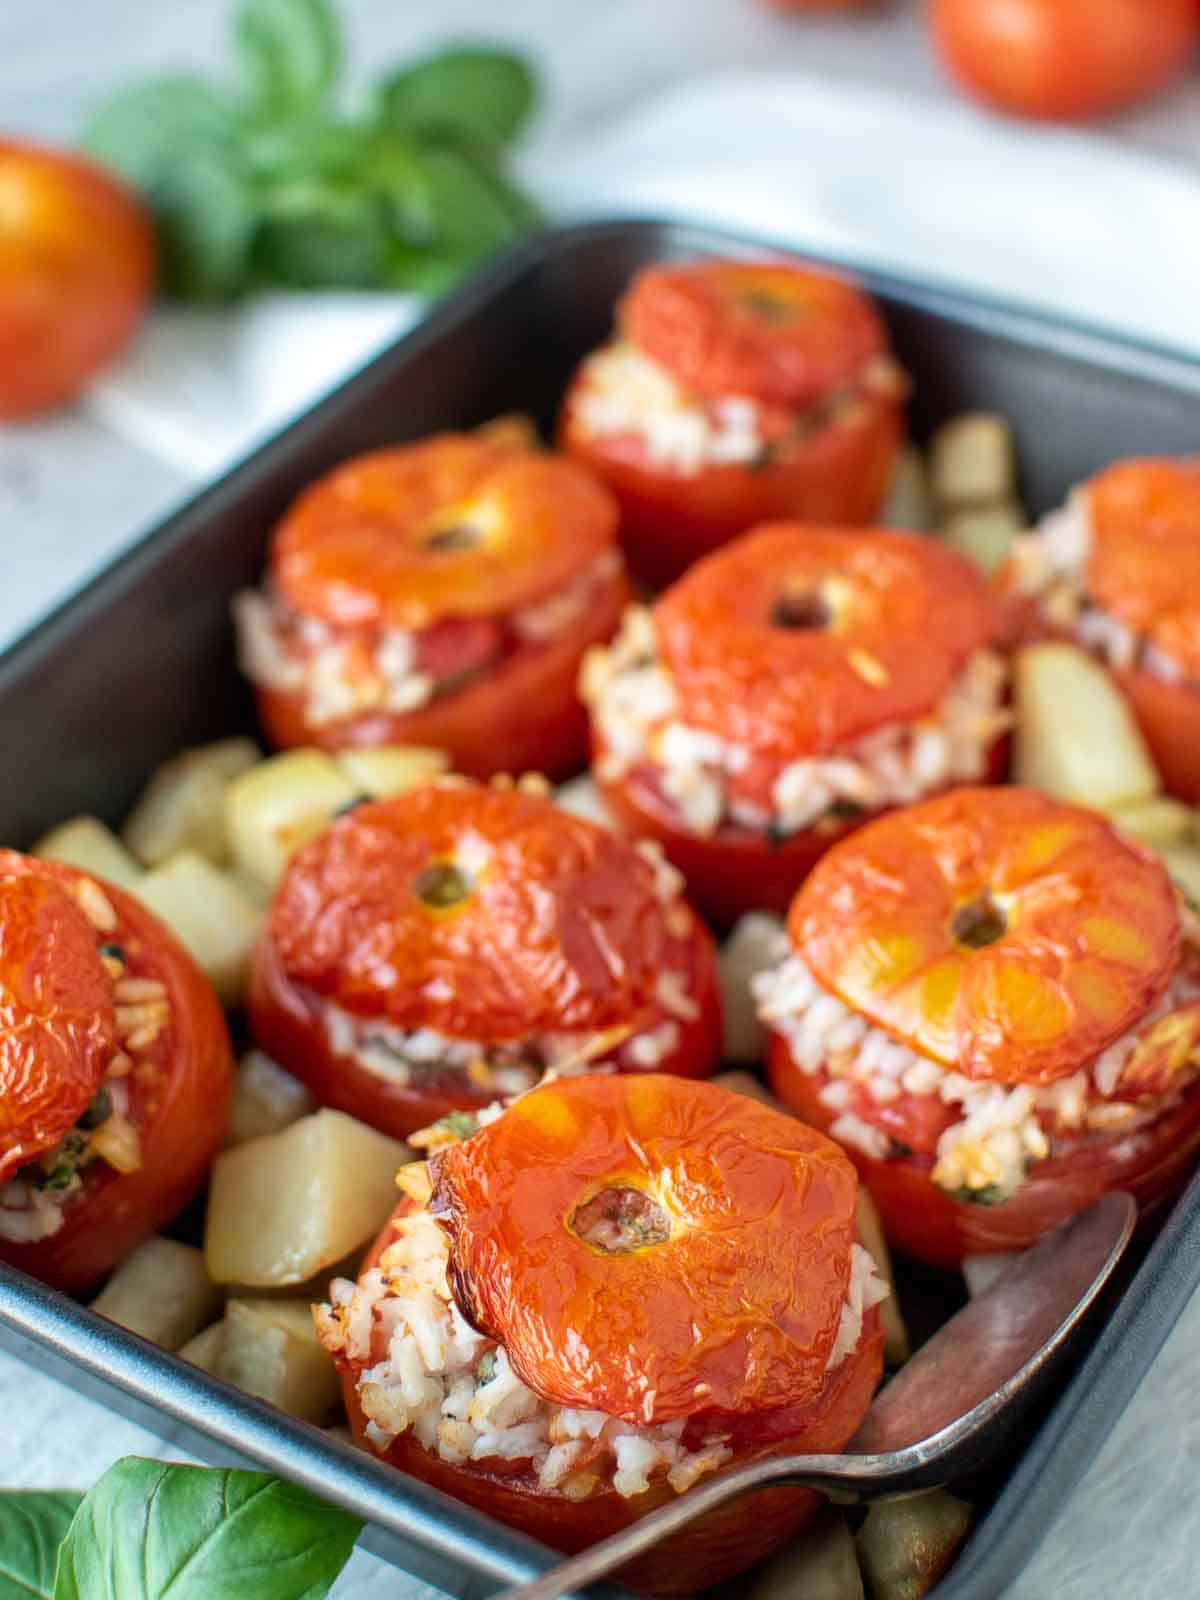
column 141, row 662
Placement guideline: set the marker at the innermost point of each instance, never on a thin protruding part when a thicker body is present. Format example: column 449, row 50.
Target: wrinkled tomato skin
column 670, row 519
column 522, row 715
column 708, row 1551
column 930, row 1225
column 77, row 267
column 1063, row 59
column 735, row 870
column 287, row 1024
column 116, row 1211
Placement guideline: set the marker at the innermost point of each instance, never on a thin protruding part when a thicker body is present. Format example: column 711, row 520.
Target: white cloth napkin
column 1069, row 222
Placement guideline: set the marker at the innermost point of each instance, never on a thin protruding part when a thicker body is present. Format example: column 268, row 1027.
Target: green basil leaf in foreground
column 149, row 1530
column 32, row 1526
column 477, row 93
column 291, row 53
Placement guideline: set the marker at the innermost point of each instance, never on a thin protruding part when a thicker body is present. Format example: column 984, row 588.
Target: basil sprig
column 148, row 1529
column 267, row 181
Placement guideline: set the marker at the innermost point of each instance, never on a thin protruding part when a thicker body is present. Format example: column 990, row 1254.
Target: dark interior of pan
column 141, row 663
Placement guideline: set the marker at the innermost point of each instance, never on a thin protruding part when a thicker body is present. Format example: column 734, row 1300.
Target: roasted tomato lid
column 777, row 331
column 795, row 639
column 485, row 913
column 997, row 931
column 57, row 1021
column 651, row 1247
column 1144, row 562
column 458, row 525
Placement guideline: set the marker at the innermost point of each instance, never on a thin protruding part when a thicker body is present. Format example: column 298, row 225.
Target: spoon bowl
column 945, row 1413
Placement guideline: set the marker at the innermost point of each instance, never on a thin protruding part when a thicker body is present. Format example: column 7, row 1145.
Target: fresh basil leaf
column 144, row 131
column 149, row 1530
column 318, row 233
column 307, row 147
column 291, row 54
column 33, row 1524
column 206, row 216
column 472, row 210
column 478, row 93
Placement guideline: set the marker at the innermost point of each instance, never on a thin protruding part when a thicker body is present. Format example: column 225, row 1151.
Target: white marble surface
column 72, row 492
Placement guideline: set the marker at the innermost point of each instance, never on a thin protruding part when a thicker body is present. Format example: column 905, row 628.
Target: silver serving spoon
column 943, row 1414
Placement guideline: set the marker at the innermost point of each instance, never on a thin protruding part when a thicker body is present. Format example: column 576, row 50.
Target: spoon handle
column 827, row 1473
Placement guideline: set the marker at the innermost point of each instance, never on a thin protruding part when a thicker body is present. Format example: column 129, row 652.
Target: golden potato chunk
column 208, row 913
column 86, row 843
column 163, row 1292
column 270, row 1349
column 283, row 1207
column 183, row 805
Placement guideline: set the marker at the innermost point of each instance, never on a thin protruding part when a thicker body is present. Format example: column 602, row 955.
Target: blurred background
column 371, row 153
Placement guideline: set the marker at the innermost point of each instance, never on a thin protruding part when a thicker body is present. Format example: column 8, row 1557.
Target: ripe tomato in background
column 1064, row 58
column 77, row 265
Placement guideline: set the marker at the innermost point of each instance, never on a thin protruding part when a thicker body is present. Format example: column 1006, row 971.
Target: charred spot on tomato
column 99, row 1111
column 768, row 307
column 443, row 885
column 618, row 1221
column 978, row 923
column 458, row 536
column 802, row 609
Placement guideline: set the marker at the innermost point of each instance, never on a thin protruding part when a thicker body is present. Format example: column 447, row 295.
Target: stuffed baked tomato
column 115, row 1073
column 443, row 949
column 700, row 1251
column 439, row 593
column 1118, row 570
column 993, row 1002
column 735, row 393
column 783, row 691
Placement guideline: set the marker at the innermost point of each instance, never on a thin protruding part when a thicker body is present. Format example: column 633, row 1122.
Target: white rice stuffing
column 454, row 1388
column 633, row 701
column 1051, row 563
column 625, row 393
column 401, row 1055
column 377, row 672
column 1001, row 1129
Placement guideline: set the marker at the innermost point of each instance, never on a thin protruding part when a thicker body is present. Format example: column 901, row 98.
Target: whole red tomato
column 77, row 265
column 1064, row 58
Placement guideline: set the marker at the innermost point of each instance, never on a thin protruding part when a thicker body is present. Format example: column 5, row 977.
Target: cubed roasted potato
column 266, row 1099
column 209, row 914
column 389, row 769
column 972, row 461
column 984, row 534
column 1183, row 863
column 270, row 1349
column 278, row 806
column 163, row 1292
column 1157, row 822
column 906, row 1546
column 183, row 805
column 759, row 940
column 204, row 1349
column 283, row 1207
column 85, row 842
column 1075, row 736
column 907, row 504
column 820, row 1564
